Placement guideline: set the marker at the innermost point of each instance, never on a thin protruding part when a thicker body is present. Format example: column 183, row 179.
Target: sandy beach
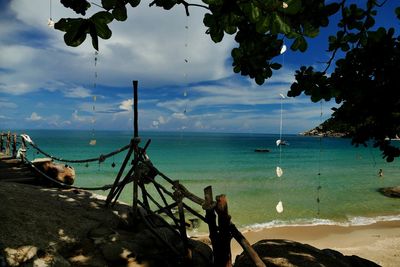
column 378, row 242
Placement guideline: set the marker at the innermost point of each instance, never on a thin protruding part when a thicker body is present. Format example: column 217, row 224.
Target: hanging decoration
column 185, row 92
column 280, row 142
column 319, row 187
column 279, row 207
column 93, row 140
column 50, row 21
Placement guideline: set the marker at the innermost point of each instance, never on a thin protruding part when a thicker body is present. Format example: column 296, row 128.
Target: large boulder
column 60, row 172
column 286, row 253
column 390, row 191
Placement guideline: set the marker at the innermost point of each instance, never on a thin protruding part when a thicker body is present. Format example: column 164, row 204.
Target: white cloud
column 6, row 104
column 77, row 92
column 126, row 105
column 34, row 117
column 78, row 118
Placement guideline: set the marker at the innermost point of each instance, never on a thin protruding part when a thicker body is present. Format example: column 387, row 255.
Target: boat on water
column 262, row 150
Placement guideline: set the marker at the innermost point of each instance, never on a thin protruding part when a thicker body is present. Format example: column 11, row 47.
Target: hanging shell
column 279, row 171
column 279, row 207
column 285, row 5
column 278, row 142
column 283, row 49
column 50, row 23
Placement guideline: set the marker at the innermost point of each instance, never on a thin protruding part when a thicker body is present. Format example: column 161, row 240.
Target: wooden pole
column 247, row 248
column 224, row 221
column 136, row 151
column 1, row 142
column 135, row 109
column 14, row 145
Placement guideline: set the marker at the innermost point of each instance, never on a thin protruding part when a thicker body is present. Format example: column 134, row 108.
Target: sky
column 186, row 81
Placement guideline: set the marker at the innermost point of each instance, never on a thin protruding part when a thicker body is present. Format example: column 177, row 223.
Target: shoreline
column 378, row 242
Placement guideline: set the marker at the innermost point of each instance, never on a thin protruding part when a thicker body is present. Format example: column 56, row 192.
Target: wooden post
column 111, row 194
column 1, row 142
column 178, row 197
column 224, row 221
column 136, row 148
column 135, row 109
column 247, row 248
column 8, row 143
column 14, row 145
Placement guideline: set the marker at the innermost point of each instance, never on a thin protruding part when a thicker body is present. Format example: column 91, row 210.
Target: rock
column 286, row 253
column 390, row 191
column 62, row 173
column 54, row 260
column 15, row 257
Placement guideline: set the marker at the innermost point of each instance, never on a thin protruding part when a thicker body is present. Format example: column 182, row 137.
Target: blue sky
column 45, row 84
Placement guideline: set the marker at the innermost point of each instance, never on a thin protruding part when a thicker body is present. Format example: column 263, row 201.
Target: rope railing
column 64, row 185
column 100, row 158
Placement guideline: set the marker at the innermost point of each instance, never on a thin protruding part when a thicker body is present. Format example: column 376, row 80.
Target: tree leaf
column 310, row 30
column 279, row 24
column 108, row 4
column 120, row 13
column 294, row 7
column 299, row 44
column 134, row 3
column 76, row 34
column 103, row 17
column 93, row 34
column 275, row 66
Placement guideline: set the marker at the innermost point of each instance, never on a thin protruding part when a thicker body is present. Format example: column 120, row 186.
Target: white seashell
column 279, row 207
column 278, row 142
column 50, row 23
column 185, row 94
column 283, row 49
column 281, row 95
column 285, row 5
column 279, row 171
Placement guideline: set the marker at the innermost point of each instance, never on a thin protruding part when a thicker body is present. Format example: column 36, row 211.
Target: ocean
column 324, row 181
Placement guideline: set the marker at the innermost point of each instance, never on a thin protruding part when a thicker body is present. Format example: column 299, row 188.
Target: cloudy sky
column 185, row 80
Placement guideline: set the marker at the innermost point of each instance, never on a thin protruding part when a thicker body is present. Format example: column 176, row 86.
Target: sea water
column 324, row 181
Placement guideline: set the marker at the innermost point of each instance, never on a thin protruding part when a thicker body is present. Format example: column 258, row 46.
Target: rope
column 100, row 158
column 319, row 166
column 63, row 185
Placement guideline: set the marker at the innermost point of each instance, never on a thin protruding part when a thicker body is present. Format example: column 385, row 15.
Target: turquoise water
column 348, row 176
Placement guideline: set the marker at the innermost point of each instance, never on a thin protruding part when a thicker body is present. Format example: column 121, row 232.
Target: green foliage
column 79, row 6
column 365, row 82
column 77, row 29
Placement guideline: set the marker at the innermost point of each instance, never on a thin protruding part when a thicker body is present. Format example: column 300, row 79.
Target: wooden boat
column 261, row 150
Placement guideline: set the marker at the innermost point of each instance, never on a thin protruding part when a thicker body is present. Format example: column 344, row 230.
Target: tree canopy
column 364, row 81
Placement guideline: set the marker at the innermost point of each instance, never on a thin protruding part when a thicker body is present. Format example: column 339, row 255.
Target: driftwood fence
column 8, row 144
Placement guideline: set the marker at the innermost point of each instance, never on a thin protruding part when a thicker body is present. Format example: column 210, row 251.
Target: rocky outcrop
column 390, row 191
column 318, row 131
column 286, row 253
column 60, row 172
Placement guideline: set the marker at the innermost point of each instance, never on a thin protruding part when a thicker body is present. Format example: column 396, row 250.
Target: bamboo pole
column 136, row 154
column 111, row 194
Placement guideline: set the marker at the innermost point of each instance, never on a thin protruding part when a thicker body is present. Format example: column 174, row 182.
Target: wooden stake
column 135, row 109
